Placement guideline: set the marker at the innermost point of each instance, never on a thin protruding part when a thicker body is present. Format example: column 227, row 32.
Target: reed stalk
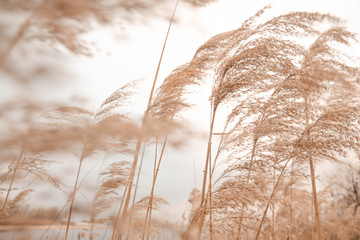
column 73, row 197
column 207, row 163
column 17, row 164
column 136, row 186
column 286, row 160
column 312, row 175
column 139, row 141
column 270, row 199
column 150, row 206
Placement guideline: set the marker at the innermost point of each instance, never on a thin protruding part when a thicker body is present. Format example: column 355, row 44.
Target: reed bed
column 284, row 89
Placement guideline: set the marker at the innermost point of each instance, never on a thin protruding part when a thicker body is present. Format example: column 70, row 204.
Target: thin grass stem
column 73, row 198
column 139, row 142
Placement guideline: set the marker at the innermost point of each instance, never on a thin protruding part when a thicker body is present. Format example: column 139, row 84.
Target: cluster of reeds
column 288, row 88
column 290, row 105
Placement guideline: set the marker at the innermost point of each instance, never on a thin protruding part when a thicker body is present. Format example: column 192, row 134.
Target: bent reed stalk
column 139, row 141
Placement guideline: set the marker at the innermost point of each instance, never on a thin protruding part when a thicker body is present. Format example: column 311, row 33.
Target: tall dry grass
column 289, row 107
